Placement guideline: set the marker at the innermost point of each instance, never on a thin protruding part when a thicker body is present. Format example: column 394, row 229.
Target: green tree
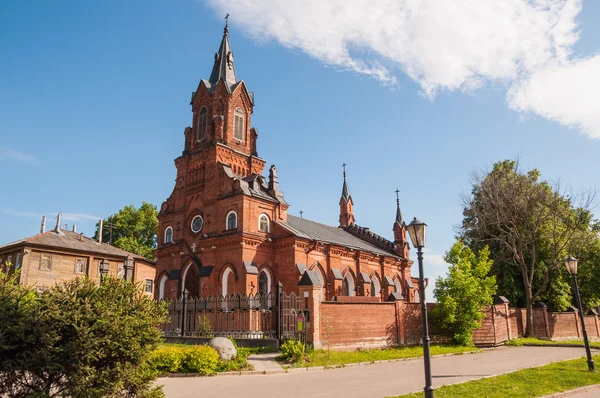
column 530, row 226
column 463, row 293
column 78, row 339
column 134, row 230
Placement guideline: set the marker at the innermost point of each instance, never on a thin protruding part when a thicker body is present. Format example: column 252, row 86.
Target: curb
column 593, row 387
column 317, row 368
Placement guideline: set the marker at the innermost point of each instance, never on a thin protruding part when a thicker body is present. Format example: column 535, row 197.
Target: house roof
column 307, row 229
column 73, row 241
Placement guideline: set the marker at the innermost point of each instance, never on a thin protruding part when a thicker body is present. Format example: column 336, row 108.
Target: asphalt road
column 376, row 380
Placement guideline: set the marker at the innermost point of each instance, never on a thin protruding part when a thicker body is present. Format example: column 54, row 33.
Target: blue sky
column 94, row 98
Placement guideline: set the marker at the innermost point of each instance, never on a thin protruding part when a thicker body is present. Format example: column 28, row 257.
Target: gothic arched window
column 264, row 285
column 348, row 285
column 375, row 287
column 231, row 220
column 263, row 223
column 238, row 127
column 202, row 117
column 168, row 235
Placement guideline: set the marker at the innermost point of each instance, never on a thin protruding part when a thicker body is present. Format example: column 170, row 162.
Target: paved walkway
column 377, row 380
column 265, row 363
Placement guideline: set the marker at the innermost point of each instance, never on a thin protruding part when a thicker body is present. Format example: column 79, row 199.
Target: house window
column 238, row 129
column 168, row 235
column 46, row 262
column 121, row 271
column 263, row 223
column 202, row 116
column 80, row 266
column 264, row 283
column 9, row 259
column 231, row 220
column 18, row 261
column 148, row 288
column 348, row 285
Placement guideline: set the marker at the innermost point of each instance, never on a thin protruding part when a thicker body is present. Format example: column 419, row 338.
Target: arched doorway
column 161, row 287
column 191, row 281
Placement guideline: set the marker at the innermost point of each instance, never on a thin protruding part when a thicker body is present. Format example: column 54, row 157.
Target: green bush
column 78, row 338
column 200, row 359
column 166, row 359
column 292, row 350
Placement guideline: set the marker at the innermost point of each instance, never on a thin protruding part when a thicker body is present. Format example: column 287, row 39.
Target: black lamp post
column 417, row 230
column 184, row 297
column 571, row 264
column 103, row 269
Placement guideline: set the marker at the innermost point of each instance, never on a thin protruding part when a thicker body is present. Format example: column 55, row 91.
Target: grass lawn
column 537, row 342
column 340, row 358
column 534, row 382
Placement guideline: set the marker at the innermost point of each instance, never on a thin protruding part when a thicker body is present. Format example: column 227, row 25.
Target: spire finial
column 398, row 212
column 344, row 166
column 226, row 22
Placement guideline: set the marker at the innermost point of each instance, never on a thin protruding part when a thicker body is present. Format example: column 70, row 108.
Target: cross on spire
column 344, row 166
column 398, row 212
column 227, row 19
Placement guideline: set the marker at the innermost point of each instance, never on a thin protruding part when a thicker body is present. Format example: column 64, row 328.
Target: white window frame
column 202, row 124
column 192, row 224
column 49, row 256
column 151, row 286
column 268, row 223
column 239, row 113
column 375, row 284
column 227, row 221
column 351, row 285
column 269, row 280
column 228, row 271
column 83, row 269
column 169, row 228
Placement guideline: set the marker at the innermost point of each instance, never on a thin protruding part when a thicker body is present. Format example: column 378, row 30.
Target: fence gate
column 239, row 316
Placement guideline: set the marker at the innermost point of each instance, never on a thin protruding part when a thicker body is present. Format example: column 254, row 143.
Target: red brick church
column 225, row 229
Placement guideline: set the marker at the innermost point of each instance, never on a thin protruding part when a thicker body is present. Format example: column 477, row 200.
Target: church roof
column 307, row 229
column 72, row 241
column 223, row 68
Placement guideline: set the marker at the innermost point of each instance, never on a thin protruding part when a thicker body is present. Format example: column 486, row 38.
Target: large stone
column 224, row 347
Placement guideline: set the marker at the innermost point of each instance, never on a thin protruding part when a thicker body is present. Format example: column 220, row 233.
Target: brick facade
column 219, row 175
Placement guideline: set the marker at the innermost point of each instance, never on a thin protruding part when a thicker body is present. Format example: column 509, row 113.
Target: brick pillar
column 399, row 304
column 309, row 296
column 507, row 312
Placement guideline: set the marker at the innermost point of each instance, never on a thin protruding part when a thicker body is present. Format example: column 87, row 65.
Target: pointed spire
column 223, row 68
column 398, row 212
column 345, row 191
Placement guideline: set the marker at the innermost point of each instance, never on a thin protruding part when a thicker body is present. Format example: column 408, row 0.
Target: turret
column 346, row 203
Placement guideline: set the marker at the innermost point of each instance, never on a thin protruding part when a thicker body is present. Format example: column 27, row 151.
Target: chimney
column 81, row 237
column 100, row 232
column 43, row 226
column 57, row 229
column 74, row 228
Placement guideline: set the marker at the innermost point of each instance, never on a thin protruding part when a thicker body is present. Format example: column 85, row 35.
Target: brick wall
column 348, row 325
column 352, row 325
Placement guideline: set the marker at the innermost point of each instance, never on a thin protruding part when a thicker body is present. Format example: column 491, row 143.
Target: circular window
column 197, row 223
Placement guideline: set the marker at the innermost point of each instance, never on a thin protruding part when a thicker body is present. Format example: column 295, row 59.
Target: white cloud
column 440, row 44
column 568, row 94
column 11, row 154
column 79, row 217
column 64, row 217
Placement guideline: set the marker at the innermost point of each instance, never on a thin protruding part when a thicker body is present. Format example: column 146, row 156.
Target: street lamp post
column 103, row 269
column 571, row 264
column 417, row 230
column 184, row 296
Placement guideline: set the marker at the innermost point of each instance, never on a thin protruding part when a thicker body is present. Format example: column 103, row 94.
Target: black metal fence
column 239, row 316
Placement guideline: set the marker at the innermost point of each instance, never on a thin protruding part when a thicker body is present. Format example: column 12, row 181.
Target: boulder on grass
column 224, row 347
